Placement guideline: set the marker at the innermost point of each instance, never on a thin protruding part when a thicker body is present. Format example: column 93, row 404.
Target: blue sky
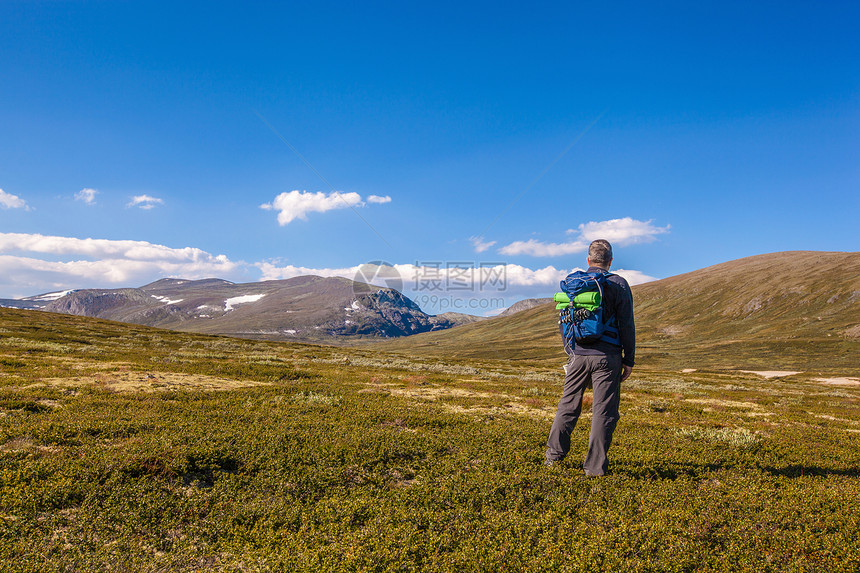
column 495, row 134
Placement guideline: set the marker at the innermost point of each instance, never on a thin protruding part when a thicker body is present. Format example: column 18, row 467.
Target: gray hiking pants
column 603, row 374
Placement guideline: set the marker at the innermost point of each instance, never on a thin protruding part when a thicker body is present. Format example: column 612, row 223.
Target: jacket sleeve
column 625, row 322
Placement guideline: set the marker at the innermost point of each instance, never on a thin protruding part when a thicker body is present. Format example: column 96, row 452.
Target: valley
column 128, row 447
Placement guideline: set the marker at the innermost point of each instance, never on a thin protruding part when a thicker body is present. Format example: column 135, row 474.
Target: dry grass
column 154, row 381
column 839, row 381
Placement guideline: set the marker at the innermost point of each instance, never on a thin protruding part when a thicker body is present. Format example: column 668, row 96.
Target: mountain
column 524, row 304
column 20, row 303
column 796, row 309
column 305, row 308
column 38, row 302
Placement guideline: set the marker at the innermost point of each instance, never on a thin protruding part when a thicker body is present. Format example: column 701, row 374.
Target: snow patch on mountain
column 228, row 304
column 50, row 295
column 167, row 300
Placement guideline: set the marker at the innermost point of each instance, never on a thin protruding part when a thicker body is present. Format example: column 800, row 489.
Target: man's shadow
column 675, row 470
column 797, row 470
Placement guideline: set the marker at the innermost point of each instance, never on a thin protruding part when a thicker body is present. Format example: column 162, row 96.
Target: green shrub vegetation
column 124, row 448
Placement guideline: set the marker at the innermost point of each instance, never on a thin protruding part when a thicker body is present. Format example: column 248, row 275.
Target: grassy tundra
column 125, row 448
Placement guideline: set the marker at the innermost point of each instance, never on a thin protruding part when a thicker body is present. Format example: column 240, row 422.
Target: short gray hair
column 600, row 252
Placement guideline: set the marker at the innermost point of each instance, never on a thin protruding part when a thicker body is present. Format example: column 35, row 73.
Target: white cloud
column 24, row 270
column 99, row 248
column 297, row 204
column 519, row 276
column 537, row 248
column 145, row 202
column 97, row 263
column 9, row 201
column 86, row 195
column 634, row 277
column 621, row 232
column 481, row 246
column 271, row 271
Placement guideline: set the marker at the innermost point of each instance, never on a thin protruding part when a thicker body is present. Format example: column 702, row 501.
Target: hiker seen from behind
column 596, row 324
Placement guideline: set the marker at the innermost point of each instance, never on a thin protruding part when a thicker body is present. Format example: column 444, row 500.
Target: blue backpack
column 583, row 319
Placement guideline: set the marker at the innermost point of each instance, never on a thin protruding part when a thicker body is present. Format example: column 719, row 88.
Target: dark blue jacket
column 618, row 303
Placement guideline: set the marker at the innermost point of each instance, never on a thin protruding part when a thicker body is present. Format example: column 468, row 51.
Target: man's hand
column 625, row 371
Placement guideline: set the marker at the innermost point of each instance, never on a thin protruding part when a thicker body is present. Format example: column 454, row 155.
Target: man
column 601, row 365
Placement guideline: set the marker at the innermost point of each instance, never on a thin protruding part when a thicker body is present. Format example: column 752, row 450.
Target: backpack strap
column 610, row 335
column 610, row 332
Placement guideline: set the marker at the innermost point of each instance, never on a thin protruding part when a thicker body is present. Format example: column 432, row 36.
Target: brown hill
column 789, row 310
